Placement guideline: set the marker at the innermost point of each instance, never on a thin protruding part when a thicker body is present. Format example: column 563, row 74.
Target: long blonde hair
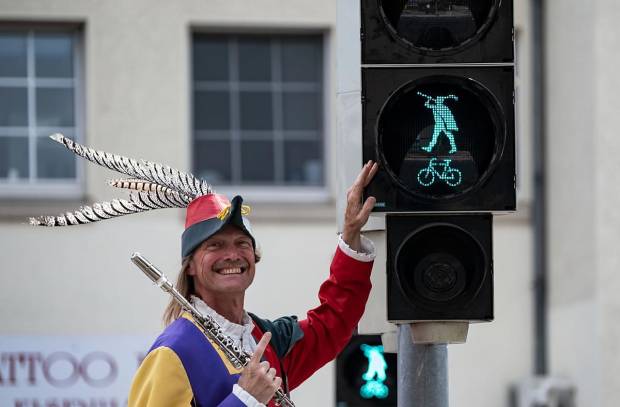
column 184, row 285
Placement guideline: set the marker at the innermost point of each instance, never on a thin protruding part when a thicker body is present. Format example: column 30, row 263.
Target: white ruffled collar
column 240, row 334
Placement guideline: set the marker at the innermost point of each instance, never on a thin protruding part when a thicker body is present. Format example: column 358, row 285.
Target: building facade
column 242, row 93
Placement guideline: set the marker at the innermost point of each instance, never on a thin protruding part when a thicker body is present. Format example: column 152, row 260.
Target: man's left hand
column 356, row 214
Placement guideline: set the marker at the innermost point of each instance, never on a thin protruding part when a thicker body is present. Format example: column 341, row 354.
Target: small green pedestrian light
column 375, row 375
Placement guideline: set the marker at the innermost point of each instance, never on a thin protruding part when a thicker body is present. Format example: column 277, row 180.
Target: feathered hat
column 156, row 186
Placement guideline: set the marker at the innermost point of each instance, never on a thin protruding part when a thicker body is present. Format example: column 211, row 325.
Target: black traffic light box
column 438, row 117
column 443, row 133
column 440, row 267
column 424, row 169
column 365, row 374
column 437, row 31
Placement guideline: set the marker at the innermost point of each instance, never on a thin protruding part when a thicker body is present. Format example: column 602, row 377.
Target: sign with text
column 68, row 371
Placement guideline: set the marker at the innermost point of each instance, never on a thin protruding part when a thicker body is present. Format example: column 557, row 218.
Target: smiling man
column 220, row 253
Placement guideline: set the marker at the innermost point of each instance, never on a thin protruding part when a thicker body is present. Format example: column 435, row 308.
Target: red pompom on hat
column 208, row 214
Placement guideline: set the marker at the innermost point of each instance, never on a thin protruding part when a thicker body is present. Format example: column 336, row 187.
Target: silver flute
column 237, row 356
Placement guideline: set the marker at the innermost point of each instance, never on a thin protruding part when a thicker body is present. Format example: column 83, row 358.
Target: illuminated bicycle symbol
column 441, row 170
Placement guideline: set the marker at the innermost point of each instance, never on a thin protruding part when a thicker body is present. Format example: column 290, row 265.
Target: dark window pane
column 257, row 162
column 210, row 58
column 301, row 60
column 254, row 60
column 12, row 55
column 13, row 106
column 55, row 107
column 303, row 163
column 53, row 55
column 212, row 161
column 301, row 111
column 53, row 162
column 256, row 110
column 211, row 110
column 13, row 157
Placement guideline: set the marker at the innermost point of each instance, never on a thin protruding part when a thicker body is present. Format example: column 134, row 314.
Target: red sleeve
column 329, row 327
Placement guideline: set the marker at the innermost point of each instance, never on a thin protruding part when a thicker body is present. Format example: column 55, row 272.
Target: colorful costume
column 183, row 367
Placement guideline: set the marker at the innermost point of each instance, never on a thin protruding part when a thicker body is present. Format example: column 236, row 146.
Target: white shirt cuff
column 368, row 249
column 245, row 397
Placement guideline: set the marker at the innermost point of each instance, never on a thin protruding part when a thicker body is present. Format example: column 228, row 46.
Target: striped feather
column 140, row 185
column 106, row 210
column 164, row 175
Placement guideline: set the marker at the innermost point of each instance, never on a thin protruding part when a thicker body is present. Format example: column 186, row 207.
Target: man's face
column 223, row 264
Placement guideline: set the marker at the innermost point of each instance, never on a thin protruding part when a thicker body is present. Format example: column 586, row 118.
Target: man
column 184, row 368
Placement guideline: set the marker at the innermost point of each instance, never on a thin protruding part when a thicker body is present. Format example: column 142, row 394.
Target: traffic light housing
column 365, row 374
column 437, row 31
column 438, row 104
column 437, row 94
column 439, row 267
column 444, row 137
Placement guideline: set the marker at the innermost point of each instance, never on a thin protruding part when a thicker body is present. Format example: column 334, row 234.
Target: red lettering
column 55, row 358
column 94, row 357
column 11, row 359
column 10, row 362
column 31, row 360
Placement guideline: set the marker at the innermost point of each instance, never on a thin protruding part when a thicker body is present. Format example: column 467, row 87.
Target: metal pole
column 539, row 210
column 422, row 372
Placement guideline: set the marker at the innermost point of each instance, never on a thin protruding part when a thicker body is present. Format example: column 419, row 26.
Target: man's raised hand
column 356, row 214
column 258, row 378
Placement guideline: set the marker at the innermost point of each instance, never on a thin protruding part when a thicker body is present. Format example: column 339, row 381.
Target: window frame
column 34, row 188
column 271, row 193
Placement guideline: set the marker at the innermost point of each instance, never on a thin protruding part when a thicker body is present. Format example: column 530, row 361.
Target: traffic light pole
column 423, row 362
column 422, row 372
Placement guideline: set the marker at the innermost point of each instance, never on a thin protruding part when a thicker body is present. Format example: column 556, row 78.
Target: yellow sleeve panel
column 160, row 381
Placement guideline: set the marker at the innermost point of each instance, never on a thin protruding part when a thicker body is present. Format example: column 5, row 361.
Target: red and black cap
column 208, row 214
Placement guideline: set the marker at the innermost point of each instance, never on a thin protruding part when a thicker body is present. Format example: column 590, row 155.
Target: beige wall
column 137, row 102
column 584, row 219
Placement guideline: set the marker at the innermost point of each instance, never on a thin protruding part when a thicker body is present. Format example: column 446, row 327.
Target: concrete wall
column 583, row 215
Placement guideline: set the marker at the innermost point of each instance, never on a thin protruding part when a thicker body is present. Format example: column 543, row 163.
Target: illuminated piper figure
column 375, row 375
column 444, row 120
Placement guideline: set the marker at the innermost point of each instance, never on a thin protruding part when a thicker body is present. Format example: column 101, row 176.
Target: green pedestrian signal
column 437, row 93
column 437, row 136
column 365, row 374
column 375, row 374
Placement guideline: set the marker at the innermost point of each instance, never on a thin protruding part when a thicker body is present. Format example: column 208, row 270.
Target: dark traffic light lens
column 438, row 25
column 440, row 277
column 438, row 136
column 440, row 264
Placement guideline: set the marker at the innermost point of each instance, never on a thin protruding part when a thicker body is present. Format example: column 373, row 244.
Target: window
column 38, row 90
column 258, row 110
